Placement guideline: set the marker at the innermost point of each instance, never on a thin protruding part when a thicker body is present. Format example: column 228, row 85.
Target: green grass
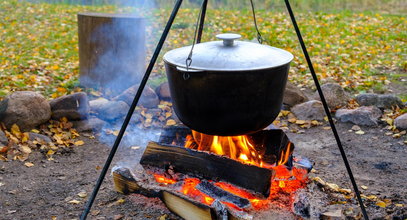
column 38, row 43
column 386, row 6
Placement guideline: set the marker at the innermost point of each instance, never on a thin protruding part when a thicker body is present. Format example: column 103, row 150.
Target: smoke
column 117, row 62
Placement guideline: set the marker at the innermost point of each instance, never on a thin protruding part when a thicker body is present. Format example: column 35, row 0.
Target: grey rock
column 26, row 109
column 386, row 101
column 136, row 118
column 97, row 104
column 365, row 115
column 149, row 98
column 163, row 91
column 334, row 94
column 73, row 107
column 311, row 110
column 3, row 139
column 113, row 110
column 401, row 122
column 367, row 99
column 39, row 137
column 91, row 124
column 293, row 95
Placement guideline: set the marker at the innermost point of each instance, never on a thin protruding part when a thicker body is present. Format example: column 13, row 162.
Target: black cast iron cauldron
column 231, row 88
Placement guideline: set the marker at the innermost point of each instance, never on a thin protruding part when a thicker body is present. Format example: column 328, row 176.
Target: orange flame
column 242, row 149
column 285, row 155
column 235, row 147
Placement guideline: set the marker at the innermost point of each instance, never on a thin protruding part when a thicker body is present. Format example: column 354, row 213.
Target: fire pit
column 204, row 176
column 198, row 176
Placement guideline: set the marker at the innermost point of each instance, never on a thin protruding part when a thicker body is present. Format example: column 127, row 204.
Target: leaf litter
column 20, row 145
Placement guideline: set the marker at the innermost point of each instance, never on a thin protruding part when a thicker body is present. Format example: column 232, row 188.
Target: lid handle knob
column 228, row 39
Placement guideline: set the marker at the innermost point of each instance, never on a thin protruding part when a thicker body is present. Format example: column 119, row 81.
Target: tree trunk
column 111, row 50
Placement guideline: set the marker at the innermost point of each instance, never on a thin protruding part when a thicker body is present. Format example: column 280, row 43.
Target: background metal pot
column 231, row 88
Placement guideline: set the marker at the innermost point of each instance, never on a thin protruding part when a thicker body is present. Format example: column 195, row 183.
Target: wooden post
column 112, row 50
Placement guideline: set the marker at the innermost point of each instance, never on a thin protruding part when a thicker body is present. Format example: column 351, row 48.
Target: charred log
column 221, row 195
column 208, row 166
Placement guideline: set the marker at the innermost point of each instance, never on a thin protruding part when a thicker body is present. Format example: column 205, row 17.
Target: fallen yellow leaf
column 171, row 122
column 15, row 130
column 381, row 204
column 292, row 120
column 35, row 131
column 79, row 143
column 74, row 201
column 285, row 113
column 25, row 149
column 300, row 122
column 82, row 194
column 314, row 122
column 25, row 137
column 50, row 152
column 96, row 93
column 28, row 164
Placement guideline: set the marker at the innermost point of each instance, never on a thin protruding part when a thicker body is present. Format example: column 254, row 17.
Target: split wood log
column 186, row 209
column 125, row 183
column 111, row 50
column 208, row 166
column 272, row 144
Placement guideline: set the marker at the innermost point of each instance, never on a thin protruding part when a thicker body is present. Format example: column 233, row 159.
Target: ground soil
column 45, row 190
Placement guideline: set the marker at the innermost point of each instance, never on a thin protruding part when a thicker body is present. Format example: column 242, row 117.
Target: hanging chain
column 188, row 61
column 259, row 37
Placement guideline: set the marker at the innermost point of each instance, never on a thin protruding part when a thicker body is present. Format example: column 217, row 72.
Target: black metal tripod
column 199, row 37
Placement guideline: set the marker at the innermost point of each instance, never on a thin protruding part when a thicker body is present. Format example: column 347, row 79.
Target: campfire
column 231, row 176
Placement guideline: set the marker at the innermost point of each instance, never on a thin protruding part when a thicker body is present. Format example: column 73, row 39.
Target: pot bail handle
column 228, row 39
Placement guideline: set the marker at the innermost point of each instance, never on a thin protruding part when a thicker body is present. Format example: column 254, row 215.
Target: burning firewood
column 208, row 166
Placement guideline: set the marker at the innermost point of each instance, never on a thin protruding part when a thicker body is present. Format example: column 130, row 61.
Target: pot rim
column 263, row 58
column 196, row 70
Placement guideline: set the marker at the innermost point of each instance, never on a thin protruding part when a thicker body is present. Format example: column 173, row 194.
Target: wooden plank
column 186, row 209
column 208, row 166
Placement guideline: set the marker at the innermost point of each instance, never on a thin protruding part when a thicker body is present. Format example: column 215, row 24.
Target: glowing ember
column 163, row 179
column 287, row 181
column 189, row 189
column 235, row 147
column 242, row 149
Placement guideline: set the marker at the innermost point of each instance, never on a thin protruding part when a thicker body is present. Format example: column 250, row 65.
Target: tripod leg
column 327, row 111
column 131, row 110
column 202, row 21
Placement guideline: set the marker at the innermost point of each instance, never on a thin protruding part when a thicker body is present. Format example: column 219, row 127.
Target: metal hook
column 188, row 62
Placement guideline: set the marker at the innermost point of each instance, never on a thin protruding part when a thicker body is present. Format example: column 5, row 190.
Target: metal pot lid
column 229, row 55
